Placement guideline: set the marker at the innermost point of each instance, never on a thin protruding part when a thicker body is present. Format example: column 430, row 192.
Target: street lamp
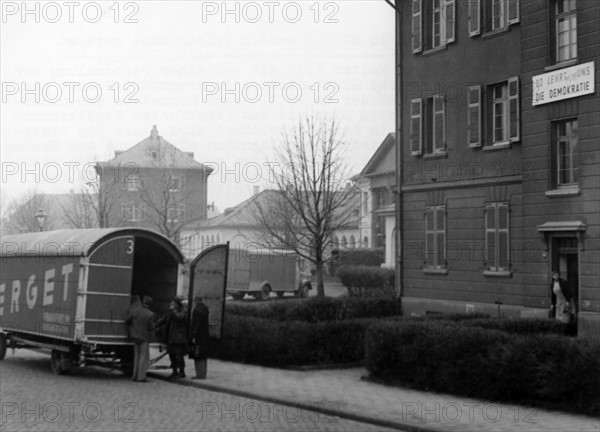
column 40, row 216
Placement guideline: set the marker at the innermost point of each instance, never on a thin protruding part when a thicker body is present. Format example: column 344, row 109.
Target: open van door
column 208, row 278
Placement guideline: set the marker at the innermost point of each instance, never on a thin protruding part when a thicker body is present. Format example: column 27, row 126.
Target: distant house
column 238, row 226
column 155, row 185
column 376, row 182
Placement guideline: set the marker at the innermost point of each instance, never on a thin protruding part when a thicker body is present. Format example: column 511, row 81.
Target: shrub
column 272, row 343
column 364, row 281
column 463, row 359
column 372, row 257
column 318, row 309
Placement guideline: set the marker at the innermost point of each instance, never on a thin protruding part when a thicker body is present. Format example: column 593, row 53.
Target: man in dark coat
column 140, row 322
column 199, row 337
column 176, row 328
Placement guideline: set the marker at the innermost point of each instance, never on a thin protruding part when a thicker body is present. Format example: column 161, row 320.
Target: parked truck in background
column 260, row 272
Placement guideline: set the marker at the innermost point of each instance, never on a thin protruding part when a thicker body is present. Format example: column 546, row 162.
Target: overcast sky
column 168, row 63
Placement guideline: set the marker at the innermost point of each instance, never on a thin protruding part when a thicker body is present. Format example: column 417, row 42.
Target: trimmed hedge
column 275, row 343
column 445, row 356
column 373, row 257
column 318, row 309
column 365, row 281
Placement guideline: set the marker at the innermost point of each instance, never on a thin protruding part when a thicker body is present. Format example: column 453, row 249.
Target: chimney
column 154, row 133
column 255, row 190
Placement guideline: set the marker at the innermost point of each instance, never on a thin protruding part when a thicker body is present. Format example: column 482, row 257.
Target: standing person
column 562, row 299
column 199, row 337
column 140, row 322
column 176, row 328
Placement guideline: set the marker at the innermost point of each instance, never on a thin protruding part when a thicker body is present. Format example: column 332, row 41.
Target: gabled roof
column 243, row 214
column 155, row 152
column 383, row 154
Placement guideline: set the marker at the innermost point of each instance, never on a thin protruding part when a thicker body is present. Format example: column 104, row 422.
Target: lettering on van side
column 31, row 290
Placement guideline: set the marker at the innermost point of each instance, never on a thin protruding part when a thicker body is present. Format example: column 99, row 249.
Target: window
column 177, row 182
column 564, row 30
column 497, row 238
column 176, row 214
column 428, row 131
column 502, row 113
column 435, row 237
column 498, row 15
column 565, row 160
column 134, row 182
column 133, row 212
column 433, row 22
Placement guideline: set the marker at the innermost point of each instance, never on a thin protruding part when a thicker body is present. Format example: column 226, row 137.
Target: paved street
column 95, row 399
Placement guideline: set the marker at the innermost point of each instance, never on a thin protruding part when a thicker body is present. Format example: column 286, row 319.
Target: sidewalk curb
column 301, row 405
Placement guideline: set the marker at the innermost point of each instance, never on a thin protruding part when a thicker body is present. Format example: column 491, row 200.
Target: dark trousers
column 200, row 366
column 177, row 363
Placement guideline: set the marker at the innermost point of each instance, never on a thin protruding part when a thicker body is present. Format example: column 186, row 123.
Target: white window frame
column 496, row 232
column 445, row 11
column 509, row 104
column 571, row 141
column 571, row 19
column 436, row 212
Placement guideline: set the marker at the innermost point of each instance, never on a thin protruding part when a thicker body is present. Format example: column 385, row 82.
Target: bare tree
column 93, row 205
column 312, row 197
column 21, row 211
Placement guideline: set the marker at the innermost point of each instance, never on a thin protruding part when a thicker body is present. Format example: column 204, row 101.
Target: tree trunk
column 319, row 274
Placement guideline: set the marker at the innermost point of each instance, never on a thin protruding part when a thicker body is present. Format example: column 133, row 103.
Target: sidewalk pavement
column 345, row 394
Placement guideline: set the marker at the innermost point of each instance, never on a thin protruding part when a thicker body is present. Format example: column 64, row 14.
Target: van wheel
column 265, row 292
column 61, row 362
column 2, row 346
column 280, row 293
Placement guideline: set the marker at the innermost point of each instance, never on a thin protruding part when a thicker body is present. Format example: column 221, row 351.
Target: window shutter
column 474, row 17
column 474, row 116
column 513, row 11
column 143, row 211
column 439, row 123
column 142, row 181
column 503, row 237
column 441, row 236
column 514, row 109
column 429, row 237
column 490, row 236
column 416, row 127
column 417, row 26
column 450, row 18
column 182, row 181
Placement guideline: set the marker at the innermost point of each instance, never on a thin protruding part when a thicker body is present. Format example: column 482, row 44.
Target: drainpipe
column 399, row 157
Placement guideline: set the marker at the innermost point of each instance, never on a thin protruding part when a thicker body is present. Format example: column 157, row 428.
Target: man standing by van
column 199, row 337
column 141, row 325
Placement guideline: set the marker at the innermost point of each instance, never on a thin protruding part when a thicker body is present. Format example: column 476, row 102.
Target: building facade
column 154, row 185
column 376, row 183
column 499, row 155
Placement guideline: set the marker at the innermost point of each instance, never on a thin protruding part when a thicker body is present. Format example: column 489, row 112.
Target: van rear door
column 107, row 299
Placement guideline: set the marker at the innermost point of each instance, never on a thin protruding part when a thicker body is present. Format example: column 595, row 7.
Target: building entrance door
column 565, row 259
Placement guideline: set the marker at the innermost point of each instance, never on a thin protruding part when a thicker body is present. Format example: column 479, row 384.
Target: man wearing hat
column 199, row 337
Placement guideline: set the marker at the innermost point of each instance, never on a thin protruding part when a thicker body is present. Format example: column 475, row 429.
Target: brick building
column 154, row 185
column 499, row 156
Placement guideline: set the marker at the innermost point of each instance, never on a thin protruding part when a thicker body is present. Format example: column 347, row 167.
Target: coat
column 141, row 323
column 199, row 335
column 176, row 330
